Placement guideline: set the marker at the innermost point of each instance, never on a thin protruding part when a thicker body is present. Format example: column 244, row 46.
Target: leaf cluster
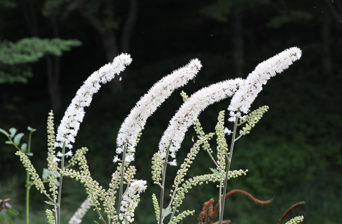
column 15, row 56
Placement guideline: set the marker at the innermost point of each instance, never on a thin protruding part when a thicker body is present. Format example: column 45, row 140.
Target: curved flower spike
column 148, row 104
column 191, row 109
column 74, row 114
column 245, row 96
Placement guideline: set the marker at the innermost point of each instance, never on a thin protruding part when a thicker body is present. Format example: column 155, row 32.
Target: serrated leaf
column 12, row 212
column 4, row 132
column 51, row 203
column 17, row 138
column 12, row 131
column 23, row 147
column 31, row 129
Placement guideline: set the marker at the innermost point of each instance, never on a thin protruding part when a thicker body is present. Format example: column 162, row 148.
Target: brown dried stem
column 208, row 206
column 290, row 210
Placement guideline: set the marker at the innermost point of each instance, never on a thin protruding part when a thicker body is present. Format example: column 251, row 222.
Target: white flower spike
column 74, row 114
column 190, row 110
column 148, row 104
column 245, row 96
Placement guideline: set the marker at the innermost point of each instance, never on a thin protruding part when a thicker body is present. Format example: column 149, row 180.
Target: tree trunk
column 107, row 35
column 52, row 62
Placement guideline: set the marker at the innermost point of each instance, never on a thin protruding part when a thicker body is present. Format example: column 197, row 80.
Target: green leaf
column 215, row 171
column 23, row 147
column 2, row 215
column 12, row 131
column 31, row 129
column 45, row 174
column 166, row 211
column 51, row 203
column 29, row 154
column 12, row 212
column 17, row 138
column 9, row 142
column 8, row 219
column 4, row 132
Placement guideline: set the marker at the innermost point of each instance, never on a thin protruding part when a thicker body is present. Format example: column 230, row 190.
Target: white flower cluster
column 148, row 104
column 245, row 96
column 130, row 201
column 74, row 114
column 190, row 110
column 79, row 214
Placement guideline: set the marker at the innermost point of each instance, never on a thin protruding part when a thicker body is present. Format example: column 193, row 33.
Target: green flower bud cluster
column 189, row 159
column 129, row 174
column 237, row 173
column 49, row 216
column 181, row 216
column 156, row 206
column 52, row 164
column 295, row 220
column 36, row 181
column 192, row 182
column 252, row 119
column 157, row 164
column 222, row 146
column 94, row 190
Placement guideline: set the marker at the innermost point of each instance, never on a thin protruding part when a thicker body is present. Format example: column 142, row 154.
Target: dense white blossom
column 245, row 96
column 190, row 110
column 79, row 214
column 130, row 201
column 148, row 104
column 74, row 114
column 227, row 131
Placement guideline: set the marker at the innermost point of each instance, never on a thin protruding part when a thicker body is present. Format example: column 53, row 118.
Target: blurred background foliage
column 293, row 154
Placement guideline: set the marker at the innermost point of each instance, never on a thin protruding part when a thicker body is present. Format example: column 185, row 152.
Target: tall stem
column 28, row 185
column 58, row 217
column 161, row 200
column 121, row 180
column 227, row 171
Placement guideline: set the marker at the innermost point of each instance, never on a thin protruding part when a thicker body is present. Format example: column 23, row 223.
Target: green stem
column 161, row 200
column 227, row 172
column 28, row 186
column 58, row 217
column 121, row 180
column 27, row 197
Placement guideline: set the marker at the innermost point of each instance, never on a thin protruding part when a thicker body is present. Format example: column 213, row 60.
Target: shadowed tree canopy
column 105, row 19
column 15, row 57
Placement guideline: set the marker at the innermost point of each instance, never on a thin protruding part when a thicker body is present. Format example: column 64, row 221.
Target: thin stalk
column 121, row 180
column 58, row 217
column 227, row 171
column 27, row 197
column 161, row 200
column 28, row 186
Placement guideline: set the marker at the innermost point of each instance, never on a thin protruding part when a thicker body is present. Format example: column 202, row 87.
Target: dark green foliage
column 14, row 57
column 293, row 17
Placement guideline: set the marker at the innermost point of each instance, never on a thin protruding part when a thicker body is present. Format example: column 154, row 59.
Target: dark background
column 293, row 154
